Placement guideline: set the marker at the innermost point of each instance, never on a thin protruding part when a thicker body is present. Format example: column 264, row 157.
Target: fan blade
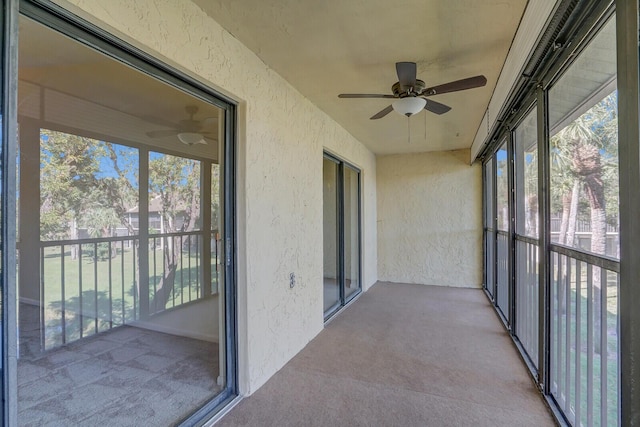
column 464, row 84
column 436, row 107
column 406, row 74
column 363, row 95
column 162, row 133
column 382, row 113
column 159, row 121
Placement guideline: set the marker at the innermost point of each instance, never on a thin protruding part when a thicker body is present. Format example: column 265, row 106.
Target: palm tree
column 580, row 148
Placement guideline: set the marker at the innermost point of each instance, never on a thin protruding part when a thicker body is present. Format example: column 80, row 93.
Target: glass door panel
column 331, row 278
column 115, row 207
column 526, row 173
column 341, row 233
column 584, row 193
column 526, row 243
column 503, row 215
column 490, row 233
column 351, row 187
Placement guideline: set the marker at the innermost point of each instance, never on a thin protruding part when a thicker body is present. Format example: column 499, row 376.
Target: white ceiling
column 324, row 48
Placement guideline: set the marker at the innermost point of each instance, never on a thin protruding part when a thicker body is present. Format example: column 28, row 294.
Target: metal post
column 511, row 276
column 629, row 154
column 142, row 285
column 494, row 201
column 9, row 113
column 485, row 226
column 205, row 188
column 340, row 224
column 544, row 286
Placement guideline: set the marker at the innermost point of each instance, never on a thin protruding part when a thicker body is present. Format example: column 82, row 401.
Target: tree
column 531, row 192
column 68, row 167
column 502, row 193
column 588, row 146
column 584, row 158
column 120, row 189
column 93, row 184
column 565, row 189
column 176, row 180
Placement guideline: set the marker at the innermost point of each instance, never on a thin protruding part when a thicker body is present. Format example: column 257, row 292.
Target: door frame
column 61, row 20
column 340, row 203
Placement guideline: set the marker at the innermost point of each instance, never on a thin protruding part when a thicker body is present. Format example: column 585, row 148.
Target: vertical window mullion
column 512, row 230
column 205, row 224
column 8, row 274
column 360, row 235
column 143, row 233
column 494, row 217
column 627, row 28
column 227, row 173
column 340, row 223
column 544, row 287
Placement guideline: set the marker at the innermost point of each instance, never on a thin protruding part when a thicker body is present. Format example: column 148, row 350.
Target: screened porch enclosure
column 552, row 239
column 90, row 276
column 89, row 257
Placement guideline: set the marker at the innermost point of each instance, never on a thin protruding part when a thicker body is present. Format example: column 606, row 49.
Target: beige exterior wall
column 281, row 141
column 430, row 219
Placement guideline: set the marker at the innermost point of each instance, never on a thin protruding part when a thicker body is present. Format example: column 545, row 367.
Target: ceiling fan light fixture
column 191, row 138
column 409, row 106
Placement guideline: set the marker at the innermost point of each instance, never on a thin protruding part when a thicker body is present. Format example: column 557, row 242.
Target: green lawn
column 109, row 291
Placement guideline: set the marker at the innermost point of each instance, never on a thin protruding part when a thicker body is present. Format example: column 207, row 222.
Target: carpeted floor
column 124, row 377
column 402, row 355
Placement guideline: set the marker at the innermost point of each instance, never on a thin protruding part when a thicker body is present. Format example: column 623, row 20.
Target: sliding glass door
column 341, row 234
column 331, row 289
column 120, row 196
column 351, row 221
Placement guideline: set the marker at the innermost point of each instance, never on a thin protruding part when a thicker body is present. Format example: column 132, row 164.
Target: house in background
column 515, row 179
column 156, row 221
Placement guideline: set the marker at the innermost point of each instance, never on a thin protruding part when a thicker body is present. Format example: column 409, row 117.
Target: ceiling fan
column 410, row 93
column 188, row 131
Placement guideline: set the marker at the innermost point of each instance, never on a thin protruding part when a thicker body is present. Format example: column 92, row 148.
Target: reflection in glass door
column 341, row 231
column 351, row 218
column 123, row 311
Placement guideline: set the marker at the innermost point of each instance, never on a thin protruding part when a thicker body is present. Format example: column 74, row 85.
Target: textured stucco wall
column 281, row 140
column 430, row 219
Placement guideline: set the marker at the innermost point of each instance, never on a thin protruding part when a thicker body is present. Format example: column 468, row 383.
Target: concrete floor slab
column 405, row 355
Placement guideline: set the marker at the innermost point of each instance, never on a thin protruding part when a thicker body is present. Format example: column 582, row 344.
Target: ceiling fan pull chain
column 408, row 130
column 425, row 127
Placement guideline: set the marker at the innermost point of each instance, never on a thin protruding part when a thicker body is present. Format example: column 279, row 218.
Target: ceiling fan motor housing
column 414, row 91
